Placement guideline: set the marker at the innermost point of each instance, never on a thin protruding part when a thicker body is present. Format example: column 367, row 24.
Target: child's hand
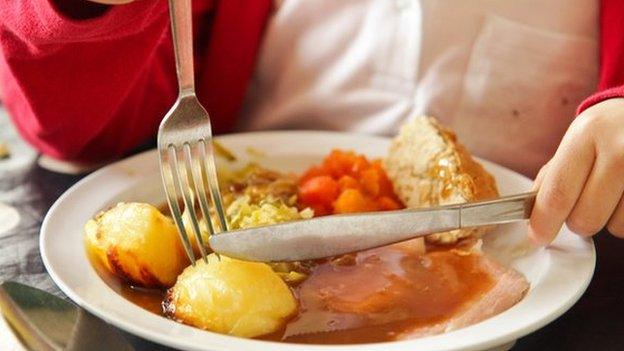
column 582, row 184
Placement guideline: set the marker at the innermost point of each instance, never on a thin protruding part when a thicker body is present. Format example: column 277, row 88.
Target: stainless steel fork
column 185, row 146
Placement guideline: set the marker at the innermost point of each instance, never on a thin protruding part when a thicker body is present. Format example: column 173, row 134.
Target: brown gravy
column 381, row 295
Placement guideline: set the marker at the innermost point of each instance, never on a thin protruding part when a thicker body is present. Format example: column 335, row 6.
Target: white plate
column 558, row 275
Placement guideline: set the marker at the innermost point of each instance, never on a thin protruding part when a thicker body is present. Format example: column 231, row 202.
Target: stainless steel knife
column 43, row 321
column 339, row 234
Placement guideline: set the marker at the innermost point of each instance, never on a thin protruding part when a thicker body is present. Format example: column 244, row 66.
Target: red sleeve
column 84, row 89
column 611, row 53
column 230, row 58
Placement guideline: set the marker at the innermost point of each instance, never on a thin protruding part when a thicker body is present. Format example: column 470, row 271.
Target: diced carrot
column 385, row 185
column 348, row 182
column 370, row 181
column 314, row 171
column 388, row 204
column 352, row 201
column 360, row 163
column 338, row 163
column 377, row 164
column 319, row 190
column 320, row 210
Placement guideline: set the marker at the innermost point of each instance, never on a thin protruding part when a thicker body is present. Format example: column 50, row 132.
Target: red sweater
column 611, row 53
column 94, row 89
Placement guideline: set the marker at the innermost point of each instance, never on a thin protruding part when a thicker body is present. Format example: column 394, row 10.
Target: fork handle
column 182, row 31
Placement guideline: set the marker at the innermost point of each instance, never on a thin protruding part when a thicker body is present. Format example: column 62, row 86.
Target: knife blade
column 43, row 321
column 340, row 234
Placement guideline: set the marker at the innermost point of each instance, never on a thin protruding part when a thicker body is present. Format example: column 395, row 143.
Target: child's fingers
column 600, row 196
column 540, row 177
column 561, row 186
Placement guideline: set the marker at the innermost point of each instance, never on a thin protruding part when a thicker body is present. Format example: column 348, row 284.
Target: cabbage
column 242, row 213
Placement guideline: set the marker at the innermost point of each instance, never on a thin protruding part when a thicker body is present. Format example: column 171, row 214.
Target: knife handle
column 502, row 210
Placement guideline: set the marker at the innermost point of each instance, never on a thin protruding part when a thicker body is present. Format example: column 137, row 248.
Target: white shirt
column 506, row 75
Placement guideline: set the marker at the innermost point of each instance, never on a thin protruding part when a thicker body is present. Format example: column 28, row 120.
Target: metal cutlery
column 185, row 146
column 43, row 321
column 339, row 234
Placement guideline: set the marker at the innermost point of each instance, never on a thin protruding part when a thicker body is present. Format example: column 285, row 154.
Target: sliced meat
column 509, row 289
column 395, row 293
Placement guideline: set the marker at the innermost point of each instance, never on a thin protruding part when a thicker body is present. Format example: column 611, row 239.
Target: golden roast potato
column 229, row 296
column 203, row 229
column 138, row 243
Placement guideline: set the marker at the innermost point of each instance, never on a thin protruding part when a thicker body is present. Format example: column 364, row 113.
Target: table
column 596, row 322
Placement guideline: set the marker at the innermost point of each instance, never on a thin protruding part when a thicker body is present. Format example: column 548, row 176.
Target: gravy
column 382, row 294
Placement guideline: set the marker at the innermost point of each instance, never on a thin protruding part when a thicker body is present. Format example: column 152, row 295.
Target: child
column 84, row 81
column 583, row 183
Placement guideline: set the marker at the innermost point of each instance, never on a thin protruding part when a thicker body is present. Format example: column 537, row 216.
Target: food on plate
column 137, row 243
column 242, row 213
column 5, row 152
column 252, row 196
column 429, row 167
column 203, row 229
column 346, row 182
column 230, row 296
column 258, row 183
column 405, row 295
column 400, row 291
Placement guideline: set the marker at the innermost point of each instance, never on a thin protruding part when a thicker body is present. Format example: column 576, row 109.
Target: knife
column 340, row 234
column 43, row 321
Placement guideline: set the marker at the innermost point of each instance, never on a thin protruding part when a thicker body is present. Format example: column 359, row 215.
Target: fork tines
column 191, row 179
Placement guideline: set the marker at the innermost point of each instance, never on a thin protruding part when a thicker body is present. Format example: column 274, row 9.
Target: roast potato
column 230, row 296
column 137, row 243
column 203, row 230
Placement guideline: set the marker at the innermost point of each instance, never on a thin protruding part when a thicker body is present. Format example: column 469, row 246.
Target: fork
column 185, row 148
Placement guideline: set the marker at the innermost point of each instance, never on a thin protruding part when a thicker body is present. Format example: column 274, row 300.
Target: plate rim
column 230, row 341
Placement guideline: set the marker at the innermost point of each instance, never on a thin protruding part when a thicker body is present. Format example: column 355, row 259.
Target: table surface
column 595, row 323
